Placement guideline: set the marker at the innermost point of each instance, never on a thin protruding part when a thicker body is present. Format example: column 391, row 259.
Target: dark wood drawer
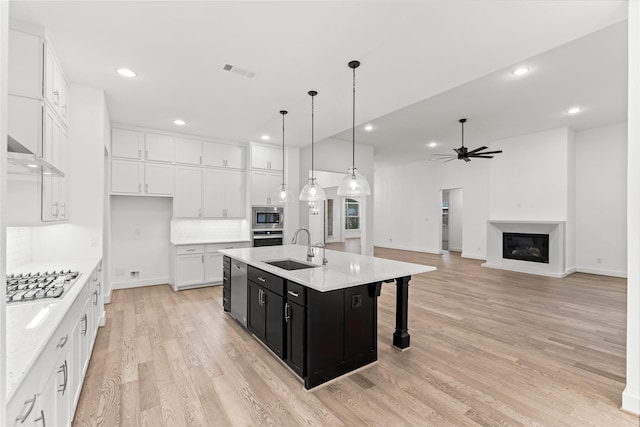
column 226, row 299
column 266, row 280
column 226, row 277
column 296, row 293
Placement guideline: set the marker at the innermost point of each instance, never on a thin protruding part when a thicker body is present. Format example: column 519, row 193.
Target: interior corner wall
column 82, row 236
column 140, row 241
column 601, row 200
column 529, row 180
column 456, row 216
column 570, row 225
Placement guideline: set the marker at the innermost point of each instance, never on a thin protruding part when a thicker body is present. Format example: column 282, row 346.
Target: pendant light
column 354, row 184
column 312, row 192
column 282, row 195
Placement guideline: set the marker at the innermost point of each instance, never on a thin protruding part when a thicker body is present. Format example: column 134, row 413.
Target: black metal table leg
column 401, row 337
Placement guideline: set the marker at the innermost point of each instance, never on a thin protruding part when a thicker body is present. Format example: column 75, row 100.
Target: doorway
column 451, row 220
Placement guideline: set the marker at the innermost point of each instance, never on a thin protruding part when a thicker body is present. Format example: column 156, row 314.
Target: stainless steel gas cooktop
column 36, row 286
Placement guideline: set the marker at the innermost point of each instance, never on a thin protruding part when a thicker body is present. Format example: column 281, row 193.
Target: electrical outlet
column 134, row 274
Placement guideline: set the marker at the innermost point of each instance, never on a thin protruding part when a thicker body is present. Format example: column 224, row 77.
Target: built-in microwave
column 267, row 217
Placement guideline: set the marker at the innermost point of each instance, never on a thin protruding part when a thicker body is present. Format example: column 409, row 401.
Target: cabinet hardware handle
column 64, row 107
column 146, row 188
column 95, row 277
column 41, row 418
column 86, row 325
column 63, row 341
column 224, row 279
column 139, row 188
column 64, row 370
column 203, row 259
column 56, row 95
column 99, row 285
column 200, row 213
column 294, row 294
column 95, row 294
column 63, row 208
column 146, row 154
column 262, row 279
column 200, row 159
column 23, row 417
column 287, row 316
column 264, row 298
column 139, row 154
column 191, row 250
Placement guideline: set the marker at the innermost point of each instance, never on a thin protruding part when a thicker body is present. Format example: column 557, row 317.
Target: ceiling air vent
column 238, row 70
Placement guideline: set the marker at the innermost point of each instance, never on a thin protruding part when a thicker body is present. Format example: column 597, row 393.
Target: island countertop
column 343, row 269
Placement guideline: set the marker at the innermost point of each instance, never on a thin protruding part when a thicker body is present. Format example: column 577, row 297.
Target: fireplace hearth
column 526, row 247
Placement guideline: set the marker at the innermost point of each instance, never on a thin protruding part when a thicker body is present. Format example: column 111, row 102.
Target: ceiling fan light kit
column 354, row 184
column 463, row 152
column 312, row 192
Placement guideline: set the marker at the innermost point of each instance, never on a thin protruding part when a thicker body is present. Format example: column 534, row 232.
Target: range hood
column 22, row 161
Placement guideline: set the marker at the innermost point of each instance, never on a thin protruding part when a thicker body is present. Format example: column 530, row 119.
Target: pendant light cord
column 353, row 128
column 283, row 112
column 313, row 93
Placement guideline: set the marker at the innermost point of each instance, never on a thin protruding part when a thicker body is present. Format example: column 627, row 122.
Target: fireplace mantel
column 557, row 246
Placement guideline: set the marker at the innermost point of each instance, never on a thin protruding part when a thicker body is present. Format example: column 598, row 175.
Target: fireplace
column 526, row 247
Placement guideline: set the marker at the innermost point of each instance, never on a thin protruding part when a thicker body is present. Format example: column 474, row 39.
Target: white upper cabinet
column 266, row 157
column 25, row 64
column 263, row 185
column 127, row 177
column 158, row 179
column 127, row 144
column 222, row 155
column 223, row 194
column 188, row 151
column 158, row 148
column 187, row 199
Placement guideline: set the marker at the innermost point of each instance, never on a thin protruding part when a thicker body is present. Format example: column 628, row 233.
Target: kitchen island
column 320, row 319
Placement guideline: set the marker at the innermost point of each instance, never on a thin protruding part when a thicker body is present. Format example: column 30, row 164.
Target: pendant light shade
column 354, row 184
column 312, row 192
column 282, row 195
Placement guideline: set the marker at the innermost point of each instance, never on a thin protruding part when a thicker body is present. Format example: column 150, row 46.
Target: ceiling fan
column 463, row 152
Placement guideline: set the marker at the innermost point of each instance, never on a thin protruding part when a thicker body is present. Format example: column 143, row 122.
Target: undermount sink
column 290, row 264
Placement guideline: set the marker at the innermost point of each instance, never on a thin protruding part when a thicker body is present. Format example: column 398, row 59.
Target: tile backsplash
column 19, row 241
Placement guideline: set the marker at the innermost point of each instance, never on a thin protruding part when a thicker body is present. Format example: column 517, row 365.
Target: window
column 351, row 214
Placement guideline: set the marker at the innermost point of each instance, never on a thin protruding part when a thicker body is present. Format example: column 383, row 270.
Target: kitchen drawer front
column 21, row 407
column 266, row 280
column 226, row 299
column 226, row 261
column 214, row 247
column 226, row 277
column 62, row 336
column 190, row 249
column 297, row 293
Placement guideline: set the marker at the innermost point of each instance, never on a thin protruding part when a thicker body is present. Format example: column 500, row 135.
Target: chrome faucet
column 324, row 253
column 295, row 240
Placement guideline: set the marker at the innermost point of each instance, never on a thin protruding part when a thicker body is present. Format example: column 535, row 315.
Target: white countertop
column 343, row 270
column 27, row 338
column 178, row 242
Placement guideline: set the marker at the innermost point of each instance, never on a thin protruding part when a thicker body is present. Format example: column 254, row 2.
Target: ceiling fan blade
column 450, row 160
column 492, row 152
column 477, row 149
column 477, row 156
column 443, row 155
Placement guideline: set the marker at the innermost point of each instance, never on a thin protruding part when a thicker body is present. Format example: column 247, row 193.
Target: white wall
column 456, row 211
column 18, row 246
column 140, row 234
column 601, row 198
column 82, row 236
column 631, row 394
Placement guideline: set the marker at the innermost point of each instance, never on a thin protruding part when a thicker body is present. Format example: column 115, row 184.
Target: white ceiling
column 413, row 55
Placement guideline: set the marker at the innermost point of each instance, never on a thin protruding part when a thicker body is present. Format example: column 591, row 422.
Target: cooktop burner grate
column 36, row 286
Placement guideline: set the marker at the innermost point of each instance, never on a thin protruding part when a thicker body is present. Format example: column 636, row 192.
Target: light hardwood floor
column 489, row 347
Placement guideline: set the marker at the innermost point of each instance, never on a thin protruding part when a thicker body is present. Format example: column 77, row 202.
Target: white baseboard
column 473, row 256
column 407, row 248
column 107, row 298
column 602, row 272
column 103, row 319
column 140, row 283
column 630, row 402
column 455, row 249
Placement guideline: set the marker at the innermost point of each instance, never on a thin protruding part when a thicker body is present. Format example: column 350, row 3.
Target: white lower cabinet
column 49, row 393
column 195, row 266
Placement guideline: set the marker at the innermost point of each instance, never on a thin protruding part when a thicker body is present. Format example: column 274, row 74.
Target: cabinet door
column 259, row 183
column 266, row 158
column 188, row 151
column 213, row 154
column 127, row 144
column 62, row 181
column 126, row 177
column 234, row 156
column 234, row 194
column 63, row 388
column 158, row 179
column 25, row 65
column 189, row 270
column 213, row 193
column 158, row 148
column 187, row 196
column 274, row 328
column 79, row 354
column 295, row 316
column 213, row 268
column 45, row 412
column 50, row 151
column 256, row 310
column 49, row 76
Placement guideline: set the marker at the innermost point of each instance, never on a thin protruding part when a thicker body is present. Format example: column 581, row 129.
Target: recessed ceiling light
column 125, row 72
column 179, row 122
column 265, row 137
column 433, row 144
column 520, row 71
column 368, row 127
column 574, row 110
